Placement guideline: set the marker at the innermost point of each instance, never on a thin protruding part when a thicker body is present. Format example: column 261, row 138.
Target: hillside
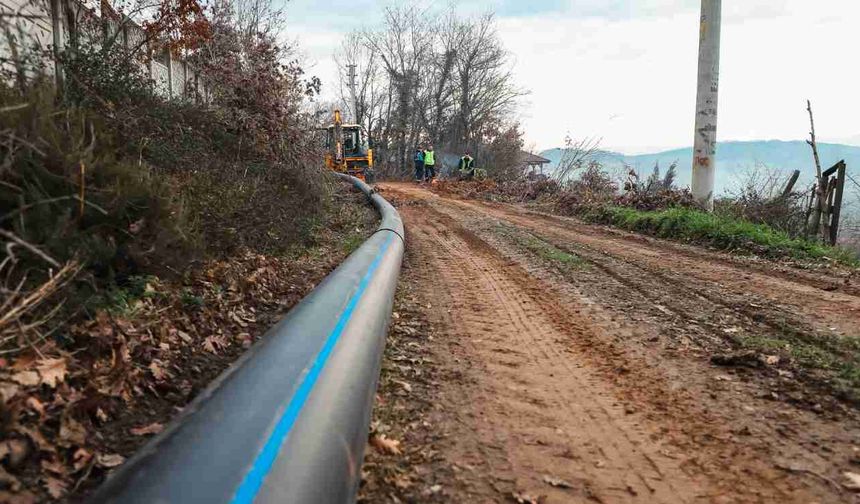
column 734, row 159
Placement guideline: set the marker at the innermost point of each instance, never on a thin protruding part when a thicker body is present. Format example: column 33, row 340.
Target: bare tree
column 485, row 92
column 428, row 77
column 576, row 156
column 402, row 46
column 820, row 197
column 259, row 18
column 436, row 98
column 368, row 105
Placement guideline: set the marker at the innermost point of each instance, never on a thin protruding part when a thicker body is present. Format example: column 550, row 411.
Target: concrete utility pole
column 705, row 142
column 352, row 75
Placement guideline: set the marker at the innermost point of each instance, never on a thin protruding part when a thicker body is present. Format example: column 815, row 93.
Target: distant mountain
column 852, row 140
column 734, row 159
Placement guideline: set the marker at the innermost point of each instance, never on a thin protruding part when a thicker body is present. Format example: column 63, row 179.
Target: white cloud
column 316, row 49
column 631, row 80
column 625, row 70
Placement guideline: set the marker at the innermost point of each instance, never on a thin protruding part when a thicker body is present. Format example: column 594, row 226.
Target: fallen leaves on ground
column 109, row 460
column 14, row 451
column 385, row 445
column 52, row 371
column 153, row 428
column 56, row 487
column 123, row 373
column 401, row 415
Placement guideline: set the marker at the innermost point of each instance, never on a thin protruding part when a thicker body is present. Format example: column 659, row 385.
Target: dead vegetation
column 85, row 397
column 762, row 198
column 147, row 243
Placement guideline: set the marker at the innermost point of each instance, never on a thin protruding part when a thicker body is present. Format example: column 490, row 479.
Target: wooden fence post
column 837, row 202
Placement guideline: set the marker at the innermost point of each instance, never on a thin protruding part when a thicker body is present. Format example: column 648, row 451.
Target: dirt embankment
column 77, row 406
column 544, row 360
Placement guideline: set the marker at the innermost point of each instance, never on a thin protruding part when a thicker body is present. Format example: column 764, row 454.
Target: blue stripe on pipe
column 252, row 482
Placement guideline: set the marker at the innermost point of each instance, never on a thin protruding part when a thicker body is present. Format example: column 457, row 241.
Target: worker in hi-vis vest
column 429, row 164
column 467, row 167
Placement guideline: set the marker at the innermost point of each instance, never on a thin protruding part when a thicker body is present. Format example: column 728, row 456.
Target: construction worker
column 467, row 167
column 429, row 164
column 418, row 160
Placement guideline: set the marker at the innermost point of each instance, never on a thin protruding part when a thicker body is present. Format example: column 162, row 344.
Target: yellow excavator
column 347, row 150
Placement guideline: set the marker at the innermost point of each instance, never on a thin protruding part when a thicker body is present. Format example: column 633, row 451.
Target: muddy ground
column 534, row 358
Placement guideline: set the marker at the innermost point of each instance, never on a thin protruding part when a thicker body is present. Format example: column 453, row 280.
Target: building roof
column 527, row 158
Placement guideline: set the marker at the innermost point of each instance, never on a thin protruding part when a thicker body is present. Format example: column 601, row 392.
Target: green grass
column 122, row 300
column 550, row 252
column 191, row 300
column 352, row 241
column 838, row 356
column 542, row 249
column 718, row 231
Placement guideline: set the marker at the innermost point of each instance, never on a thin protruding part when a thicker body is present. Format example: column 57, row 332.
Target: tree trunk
column 814, row 225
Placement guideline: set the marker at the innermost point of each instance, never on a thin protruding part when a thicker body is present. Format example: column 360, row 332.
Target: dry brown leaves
column 123, row 365
column 402, row 464
column 49, row 372
column 385, row 445
column 153, row 428
column 853, row 481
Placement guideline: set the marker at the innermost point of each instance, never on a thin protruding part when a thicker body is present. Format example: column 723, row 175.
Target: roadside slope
column 74, row 410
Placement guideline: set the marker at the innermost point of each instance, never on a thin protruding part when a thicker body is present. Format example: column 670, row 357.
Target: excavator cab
column 347, row 150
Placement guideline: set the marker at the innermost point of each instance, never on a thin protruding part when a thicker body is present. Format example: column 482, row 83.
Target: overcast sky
column 625, row 70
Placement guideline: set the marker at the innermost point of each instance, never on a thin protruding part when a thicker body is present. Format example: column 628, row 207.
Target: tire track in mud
column 707, row 303
column 686, row 299
column 800, row 292
column 530, row 333
column 578, row 409
column 624, row 471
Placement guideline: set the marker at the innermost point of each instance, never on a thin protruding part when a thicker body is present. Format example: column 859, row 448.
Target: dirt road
column 577, row 364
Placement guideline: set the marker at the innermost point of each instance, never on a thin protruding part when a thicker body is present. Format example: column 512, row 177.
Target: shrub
column 106, row 181
column 594, row 188
column 104, row 78
column 68, row 189
column 760, row 199
column 656, row 192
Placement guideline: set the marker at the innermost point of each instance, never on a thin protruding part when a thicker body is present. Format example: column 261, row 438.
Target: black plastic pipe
column 288, row 421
